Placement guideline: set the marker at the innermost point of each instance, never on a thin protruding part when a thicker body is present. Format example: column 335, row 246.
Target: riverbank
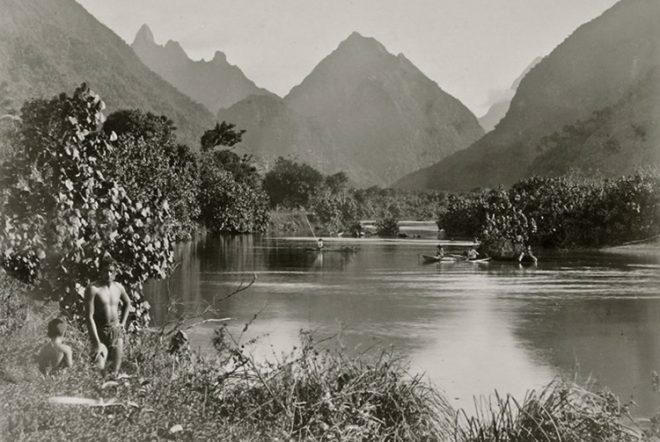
column 647, row 248
column 308, row 394
column 164, row 394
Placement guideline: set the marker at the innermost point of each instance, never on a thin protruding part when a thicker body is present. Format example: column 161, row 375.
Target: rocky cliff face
column 216, row 84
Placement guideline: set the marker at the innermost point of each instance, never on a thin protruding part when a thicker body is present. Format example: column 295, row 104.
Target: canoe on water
column 479, row 260
column 339, row 250
column 428, row 259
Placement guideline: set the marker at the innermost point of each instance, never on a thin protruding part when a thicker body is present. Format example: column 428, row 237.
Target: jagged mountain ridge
column 216, row 84
column 48, row 47
column 375, row 116
column 591, row 70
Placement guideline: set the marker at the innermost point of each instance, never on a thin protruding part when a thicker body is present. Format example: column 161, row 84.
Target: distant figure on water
column 440, row 252
column 472, row 254
column 104, row 298
column 319, row 244
column 55, row 355
column 528, row 251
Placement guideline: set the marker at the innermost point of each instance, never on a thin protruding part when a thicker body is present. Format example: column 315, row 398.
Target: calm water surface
column 471, row 328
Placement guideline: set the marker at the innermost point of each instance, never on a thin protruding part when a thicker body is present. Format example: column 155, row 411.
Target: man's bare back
column 103, row 299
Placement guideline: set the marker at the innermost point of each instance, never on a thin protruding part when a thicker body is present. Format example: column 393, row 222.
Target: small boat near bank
column 429, row 259
column 346, row 249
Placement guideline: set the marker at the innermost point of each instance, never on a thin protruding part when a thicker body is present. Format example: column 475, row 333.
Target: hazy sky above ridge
column 473, row 49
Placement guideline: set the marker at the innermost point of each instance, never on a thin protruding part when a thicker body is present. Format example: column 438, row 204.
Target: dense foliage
column 228, row 205
column 76, row 186
column 558, row 212
column 339, row 206
column 222, row 134
column 290, row 184
column 231, row 198
column 387, row 227
column 151, row 165
column 62, row 211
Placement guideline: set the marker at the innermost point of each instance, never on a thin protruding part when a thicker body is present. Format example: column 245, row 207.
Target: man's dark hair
column 107, row 261
column 56, row 328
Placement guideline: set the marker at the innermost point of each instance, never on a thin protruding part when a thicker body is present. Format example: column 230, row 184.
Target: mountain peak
column 357, row 41
column 219, row 57
column 175, row 49
column 145, row 34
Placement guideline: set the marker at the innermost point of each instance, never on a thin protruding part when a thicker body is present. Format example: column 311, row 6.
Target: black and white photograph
column 330, row 220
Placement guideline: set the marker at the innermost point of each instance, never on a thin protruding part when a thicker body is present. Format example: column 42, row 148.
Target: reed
column 560, row 412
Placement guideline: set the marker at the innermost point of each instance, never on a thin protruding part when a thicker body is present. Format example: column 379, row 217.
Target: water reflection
column 470, row 328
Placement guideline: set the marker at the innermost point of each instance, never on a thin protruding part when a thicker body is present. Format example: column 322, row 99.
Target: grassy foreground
column 310, row 394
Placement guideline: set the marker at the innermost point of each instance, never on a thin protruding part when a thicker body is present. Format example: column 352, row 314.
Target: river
column 470, row 328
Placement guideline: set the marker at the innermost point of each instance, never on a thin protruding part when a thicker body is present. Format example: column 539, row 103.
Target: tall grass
column 311, row 394
column 560, row 412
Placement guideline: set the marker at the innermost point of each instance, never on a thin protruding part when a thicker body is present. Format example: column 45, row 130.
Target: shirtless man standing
column 102, row 301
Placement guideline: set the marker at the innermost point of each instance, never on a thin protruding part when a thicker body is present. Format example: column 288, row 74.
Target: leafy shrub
column 151, row 165
column 376, row 202
column 61, row 212
column 559, row 212
column 230, row 206
column 387, row 227
column 463, row 216
column 336, row 209
column 231, row 199
column 552, row 203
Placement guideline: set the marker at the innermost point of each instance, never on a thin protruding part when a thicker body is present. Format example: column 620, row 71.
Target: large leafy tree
column 229, row 206
column 62, row 211
column 150, row 163
column 231, row 198
column 291, row 184
column 223, row 134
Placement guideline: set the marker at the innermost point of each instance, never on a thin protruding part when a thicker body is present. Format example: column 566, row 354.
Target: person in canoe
column 472, row 254
column 440, row 252
column 528, row 252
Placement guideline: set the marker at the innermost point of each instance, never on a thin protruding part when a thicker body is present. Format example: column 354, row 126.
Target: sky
column 473, row 49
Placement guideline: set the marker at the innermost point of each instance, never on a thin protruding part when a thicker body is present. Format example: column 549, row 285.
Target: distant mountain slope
column 592, row 69
column 51, row 46
column 373, row 114
column 499, row 108
column 216, row 83
column 614, row 141
column 273, row 129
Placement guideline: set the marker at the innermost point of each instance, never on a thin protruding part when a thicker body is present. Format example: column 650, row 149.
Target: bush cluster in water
column 559, row 212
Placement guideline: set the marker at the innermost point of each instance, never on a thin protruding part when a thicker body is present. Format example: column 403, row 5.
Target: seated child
column 55, row 355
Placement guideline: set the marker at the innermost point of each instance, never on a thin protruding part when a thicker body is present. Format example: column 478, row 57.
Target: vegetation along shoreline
column 77, row 186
